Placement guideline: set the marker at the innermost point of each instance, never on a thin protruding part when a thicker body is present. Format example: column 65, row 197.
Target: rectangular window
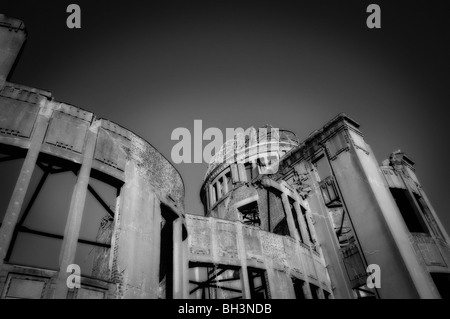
column 314, row 291
column 97, row 227
column 258, row 285
column 322, row 168
column 11, row 161
column 298, row 288
column 412, row 217
column 38, row 235
column 208, row 281
column 229, row 181
column 305, row 219
column 250, row 214
column 214, row 194
column 221, row 187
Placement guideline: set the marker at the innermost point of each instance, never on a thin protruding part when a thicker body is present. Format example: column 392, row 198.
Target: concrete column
column 307, row 290
column 330, row 246
column 73, row 224
column 234, row 173
column 178, row 265
column 379, row 227
column 198, row 278
column 212, row 196
column 289, row 217
column 242, row 173
column 225, row 184
column 15, row 204
column 185, row 269
column 219, row 189
column 137, row 258
column 243, row 258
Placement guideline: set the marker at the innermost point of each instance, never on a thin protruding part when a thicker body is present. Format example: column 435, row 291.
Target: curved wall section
column 92, row 191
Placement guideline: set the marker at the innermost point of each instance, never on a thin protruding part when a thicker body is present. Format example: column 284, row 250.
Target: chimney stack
column 12, row 37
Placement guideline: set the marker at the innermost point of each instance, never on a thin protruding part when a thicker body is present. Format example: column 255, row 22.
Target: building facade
column 282, row 218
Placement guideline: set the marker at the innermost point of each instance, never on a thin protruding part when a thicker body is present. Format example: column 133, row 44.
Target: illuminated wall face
column 12, row 37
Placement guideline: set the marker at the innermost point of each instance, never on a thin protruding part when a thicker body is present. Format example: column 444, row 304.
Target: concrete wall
column 223, row 242
column 382, row 236
column 31, row 120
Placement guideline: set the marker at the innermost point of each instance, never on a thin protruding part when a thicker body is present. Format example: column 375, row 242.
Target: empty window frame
column 314, row 291
column 208, row 281
column 428, row 215
column 220, row 188
column 97, row 226
column 322, row 167
column 308, row 230
column 412, row 217
column 442, row 282
column 250, row 214
column 213, row 192
column 258, row 283
column 364, row 292
column 294, row 215
column 251, row 170
column 298, row 288
column 166, row 253
column 229, row 181
column 11, row 161
column 38, row 235
column 278, row 213
column 329, row 192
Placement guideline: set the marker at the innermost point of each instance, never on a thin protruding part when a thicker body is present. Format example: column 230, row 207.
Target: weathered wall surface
column 12, row 37
column 31, row 120
column 216, row 241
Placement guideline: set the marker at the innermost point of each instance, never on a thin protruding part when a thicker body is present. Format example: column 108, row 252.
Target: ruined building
column 308, row 229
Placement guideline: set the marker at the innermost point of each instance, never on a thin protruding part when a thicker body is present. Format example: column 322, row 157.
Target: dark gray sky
column 153, row 66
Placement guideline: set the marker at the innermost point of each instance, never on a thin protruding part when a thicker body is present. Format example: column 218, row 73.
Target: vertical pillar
column 198, row 278
column 330, row 246
column 212, row 196
column 234, row 173
column 178, row 273
column 73, row 224
column 242, row 173
column 185, row 269
column 378, row 224
column 155, row 249
column 243, row 258
column 15, row 204
column 307, row 290
column 225, row 184
column 219, row 189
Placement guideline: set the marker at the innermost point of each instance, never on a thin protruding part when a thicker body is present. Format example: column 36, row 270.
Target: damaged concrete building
column 308, row 230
